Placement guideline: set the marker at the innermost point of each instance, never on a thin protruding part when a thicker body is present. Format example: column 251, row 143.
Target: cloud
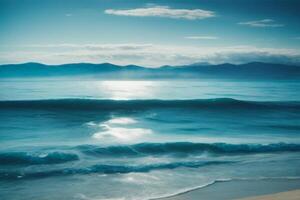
column 262, row 23
column 148, row 55
column 105, row 47
column 163, row 11
column 201, row 37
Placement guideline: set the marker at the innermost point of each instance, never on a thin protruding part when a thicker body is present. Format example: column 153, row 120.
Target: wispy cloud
column 262, row 23
column 98, row 47
column 201, row 37
column 149, row 55
column 163, row 11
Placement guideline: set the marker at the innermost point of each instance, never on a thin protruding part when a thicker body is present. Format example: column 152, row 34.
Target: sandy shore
column 290, row 195
column 243, row 189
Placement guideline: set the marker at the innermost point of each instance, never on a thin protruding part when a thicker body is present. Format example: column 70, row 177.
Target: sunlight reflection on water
column 116, row 129
column 148, row 89
column 124, row 90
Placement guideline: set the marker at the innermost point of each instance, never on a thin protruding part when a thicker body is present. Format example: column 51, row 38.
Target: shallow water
column 93, row 139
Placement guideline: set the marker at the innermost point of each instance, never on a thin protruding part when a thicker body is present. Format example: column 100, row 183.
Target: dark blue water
column 143, row 139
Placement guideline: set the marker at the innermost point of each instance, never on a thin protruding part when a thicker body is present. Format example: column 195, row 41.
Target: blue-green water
column 93, row 139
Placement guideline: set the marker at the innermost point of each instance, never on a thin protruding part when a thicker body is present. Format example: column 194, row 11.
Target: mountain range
column 108, row 70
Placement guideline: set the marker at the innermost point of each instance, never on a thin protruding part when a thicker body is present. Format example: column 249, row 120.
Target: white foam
column 139, row 178
column 91, row 123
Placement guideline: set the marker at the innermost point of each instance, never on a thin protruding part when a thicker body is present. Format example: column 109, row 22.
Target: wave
column 24, row 158
column 106, row 169
column 141, row 150
column 180, row 148
column 104, row 104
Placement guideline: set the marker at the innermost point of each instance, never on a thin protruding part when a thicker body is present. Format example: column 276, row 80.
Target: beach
column 149, row 100
column 244, row 190
column 289, row 195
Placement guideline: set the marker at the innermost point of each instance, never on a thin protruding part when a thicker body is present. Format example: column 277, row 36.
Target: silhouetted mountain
column 248, row 70
column 107, row 70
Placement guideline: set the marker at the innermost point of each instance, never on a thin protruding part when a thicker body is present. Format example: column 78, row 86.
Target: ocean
column 90, row 139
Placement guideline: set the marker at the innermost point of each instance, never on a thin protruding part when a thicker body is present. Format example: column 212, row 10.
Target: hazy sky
column 149, row 33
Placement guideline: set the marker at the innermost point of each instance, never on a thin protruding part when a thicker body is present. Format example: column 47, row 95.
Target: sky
column 149, row 33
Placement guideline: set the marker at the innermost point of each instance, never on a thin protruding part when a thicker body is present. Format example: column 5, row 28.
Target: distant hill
column 106, row 70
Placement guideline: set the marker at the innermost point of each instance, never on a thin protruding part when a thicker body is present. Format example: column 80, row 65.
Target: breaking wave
column 186, row 148
column 107, row 169
column 24, row 158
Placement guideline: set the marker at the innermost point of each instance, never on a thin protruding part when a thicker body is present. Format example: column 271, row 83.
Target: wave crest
column 108, row 169
column 186, row 148
column 24, row 158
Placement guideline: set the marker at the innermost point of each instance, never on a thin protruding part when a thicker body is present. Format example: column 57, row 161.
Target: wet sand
column 240, row 189
column 290, row 195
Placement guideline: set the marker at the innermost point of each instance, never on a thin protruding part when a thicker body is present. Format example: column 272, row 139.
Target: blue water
column 93, row 139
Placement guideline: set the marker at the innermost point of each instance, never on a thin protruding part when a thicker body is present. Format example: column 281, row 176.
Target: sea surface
column 89, row 139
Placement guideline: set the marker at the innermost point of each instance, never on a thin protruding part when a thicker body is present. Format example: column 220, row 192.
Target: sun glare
column 124, row 90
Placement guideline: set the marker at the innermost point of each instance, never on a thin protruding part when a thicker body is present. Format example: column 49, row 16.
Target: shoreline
column 289, row 195
column 237, row 189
